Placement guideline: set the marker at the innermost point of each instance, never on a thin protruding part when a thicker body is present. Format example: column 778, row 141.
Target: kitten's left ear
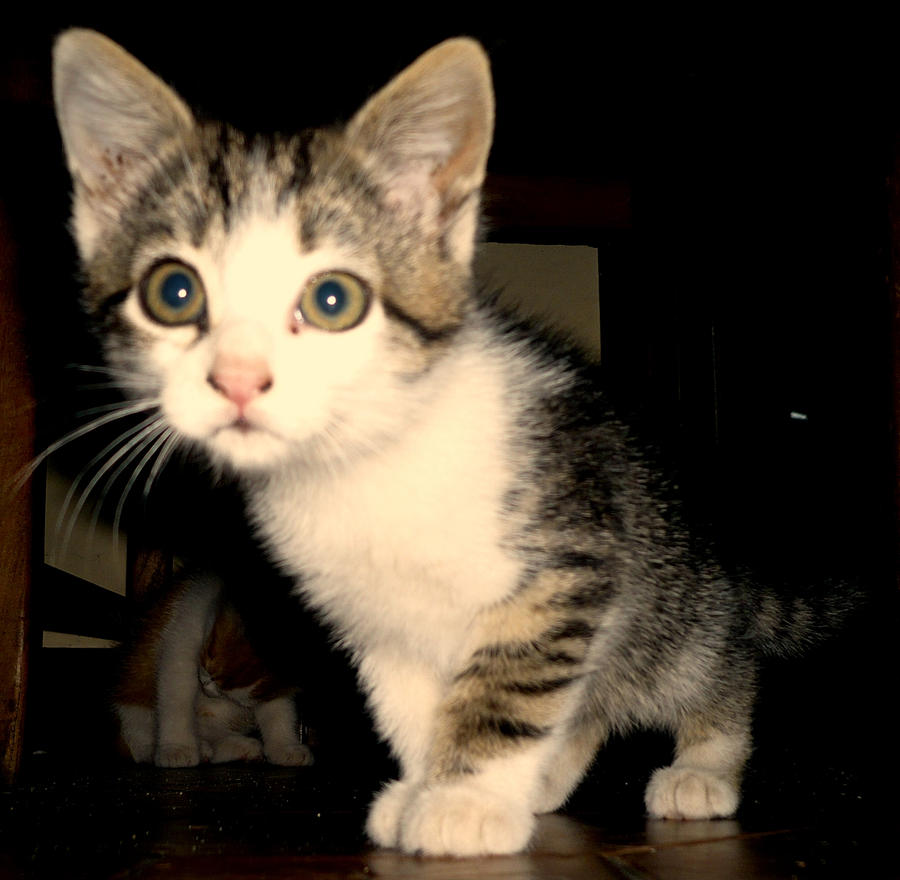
column 428, row 133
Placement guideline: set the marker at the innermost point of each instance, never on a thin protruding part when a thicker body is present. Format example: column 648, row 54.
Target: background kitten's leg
column 704, row 780
column 137, row 725
column 178, row 685
column 277, row 721
column 569, row 764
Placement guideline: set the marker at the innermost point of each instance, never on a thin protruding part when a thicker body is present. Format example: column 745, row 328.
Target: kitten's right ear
column 116, row 118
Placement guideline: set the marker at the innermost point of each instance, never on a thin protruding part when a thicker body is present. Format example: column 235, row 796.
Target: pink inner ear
column 413, row 193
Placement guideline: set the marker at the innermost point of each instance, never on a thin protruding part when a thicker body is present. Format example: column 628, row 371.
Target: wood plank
column 16, row 450
column 894, row 269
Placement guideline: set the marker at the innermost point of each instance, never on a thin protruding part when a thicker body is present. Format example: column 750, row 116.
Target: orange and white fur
column 193, row 689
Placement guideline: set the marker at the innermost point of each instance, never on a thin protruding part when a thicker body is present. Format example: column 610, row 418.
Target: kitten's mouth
column 243, row 424
column 240, row 426
column 246, row 444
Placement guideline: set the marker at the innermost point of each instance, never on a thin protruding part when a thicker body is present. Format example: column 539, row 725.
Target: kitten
column 192, row 688
column 452, row 494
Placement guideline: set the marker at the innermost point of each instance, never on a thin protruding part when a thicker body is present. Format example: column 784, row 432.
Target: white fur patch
column 403, row 547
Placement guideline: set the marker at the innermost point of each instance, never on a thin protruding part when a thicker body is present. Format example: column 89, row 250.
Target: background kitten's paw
column 141, row 752
column 288, row 754
column 690, row 793
column 383, row 824
column 237, row 748
column 463, row 820
column 177, row 755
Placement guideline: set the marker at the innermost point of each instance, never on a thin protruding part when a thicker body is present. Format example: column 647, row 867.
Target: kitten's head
column 283, row 298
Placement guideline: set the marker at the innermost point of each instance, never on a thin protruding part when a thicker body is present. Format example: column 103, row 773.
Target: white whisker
column 145, row 437
column 107, row 407
column 160, row 462
column 131, row 376
column 113, row 384
column 95, row 368
column 165, row 435
column 85, row 494
column 124, row 411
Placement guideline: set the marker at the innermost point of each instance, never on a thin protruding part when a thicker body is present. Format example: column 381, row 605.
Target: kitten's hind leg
column 704, row 780
column 569, row 766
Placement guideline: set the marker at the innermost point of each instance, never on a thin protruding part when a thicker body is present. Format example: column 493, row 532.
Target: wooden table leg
column 16, row 450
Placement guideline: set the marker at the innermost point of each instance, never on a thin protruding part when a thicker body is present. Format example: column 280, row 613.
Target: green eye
column 334, row 301
column 172, row 293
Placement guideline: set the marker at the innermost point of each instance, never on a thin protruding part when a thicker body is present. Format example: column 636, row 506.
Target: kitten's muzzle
column 241, row 382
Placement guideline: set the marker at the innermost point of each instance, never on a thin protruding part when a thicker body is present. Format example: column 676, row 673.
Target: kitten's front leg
column 493, row 735
column 486, row 773
column 486, row 813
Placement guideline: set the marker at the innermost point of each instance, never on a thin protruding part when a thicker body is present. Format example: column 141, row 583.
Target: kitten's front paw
column 237, row 748
column 690, row 793
column 288, row 754
column 383, row 823
column 464, row 820
column 177, row 754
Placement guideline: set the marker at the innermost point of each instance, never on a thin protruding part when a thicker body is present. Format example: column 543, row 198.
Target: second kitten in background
column 193, row 689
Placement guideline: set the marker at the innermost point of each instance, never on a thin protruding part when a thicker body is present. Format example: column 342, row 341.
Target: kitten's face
column 283, row 299
column 258, row 376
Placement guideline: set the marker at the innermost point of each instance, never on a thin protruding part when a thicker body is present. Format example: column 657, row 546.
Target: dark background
column 732, row 173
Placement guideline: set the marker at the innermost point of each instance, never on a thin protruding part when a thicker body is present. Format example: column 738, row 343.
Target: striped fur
column 454, row 497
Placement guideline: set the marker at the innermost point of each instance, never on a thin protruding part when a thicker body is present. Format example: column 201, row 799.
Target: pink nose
column 240, row 381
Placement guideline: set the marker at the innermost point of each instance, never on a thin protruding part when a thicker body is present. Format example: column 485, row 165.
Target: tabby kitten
column 191, row 688
column 454, row 499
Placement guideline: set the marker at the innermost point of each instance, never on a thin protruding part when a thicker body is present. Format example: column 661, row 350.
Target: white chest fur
column 405, row 546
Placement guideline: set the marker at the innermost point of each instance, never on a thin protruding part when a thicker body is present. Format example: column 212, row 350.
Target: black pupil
column 176, row 291
column 331, row 297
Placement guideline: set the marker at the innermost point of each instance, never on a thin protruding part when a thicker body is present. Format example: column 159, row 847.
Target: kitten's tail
column 787, row 623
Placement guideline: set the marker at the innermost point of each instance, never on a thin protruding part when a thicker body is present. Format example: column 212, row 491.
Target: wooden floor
column 819, row 798
column 121, row 821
